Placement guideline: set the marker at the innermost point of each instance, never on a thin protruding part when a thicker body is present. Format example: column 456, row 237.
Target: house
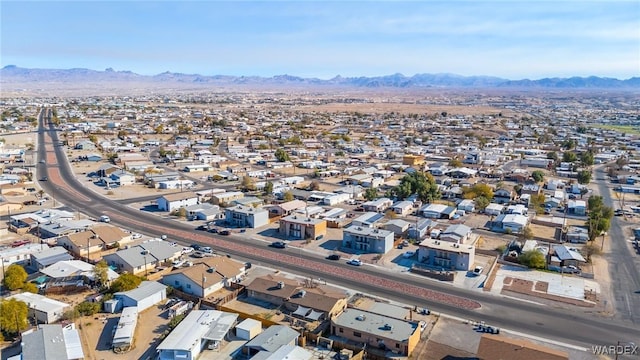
column 311, row 303
column 494, row 209
column 377, row 331
column 286, row 352
column 365, row 239
column 49, row 256
column 91, row 243
column 502, row 196
column 144, row 257
column 420, row 229
column 467, row 205
column 52, row 342
column 577, row 207
column 517, row 209
column 204, row 211
column 302, row 227
column 513, row 223
column 462, row 173
column 58, row 228
column 565, row 256
column 206, row 277
column 496, row 347
column 577, row 235
column 246, row 216
column 438, row 211
column 85, row 145
column 147, row 294
column 94, row 157
column 458, row 233
column 199, row 330
column 402, row 208
column 287, row 208
column 412, row 160
column 124, row 332
column 377, row 205
column 272, row 339
column 226, row 197
column 123, row 178
column 369, row 219
column 446, row 255
column 175, row 201
column 41, row 308
column 20, row 255
column 397, row 226
column 75, row 268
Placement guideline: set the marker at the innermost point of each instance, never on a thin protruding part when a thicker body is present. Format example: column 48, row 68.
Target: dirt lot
column 96, row 335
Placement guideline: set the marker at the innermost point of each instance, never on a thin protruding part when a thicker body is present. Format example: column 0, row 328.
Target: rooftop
column 376, row 324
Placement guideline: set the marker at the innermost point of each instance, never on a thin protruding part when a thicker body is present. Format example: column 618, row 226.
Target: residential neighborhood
column 248, row 193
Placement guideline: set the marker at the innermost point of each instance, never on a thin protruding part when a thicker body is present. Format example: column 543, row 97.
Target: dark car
column 333, row 257
column 214, row 230
column 201, row 228
column 196, row 247
column 279, row 244
column 44, row 178
column 225, row 232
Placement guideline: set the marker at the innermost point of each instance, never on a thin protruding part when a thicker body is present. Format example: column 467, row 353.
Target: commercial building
column 246, row 216
column 446, row 255
column 302, row 227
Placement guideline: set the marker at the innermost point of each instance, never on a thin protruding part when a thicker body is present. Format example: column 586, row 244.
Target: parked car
column 225, row 232
column 20, row 243
column 354, row 262
column 478, row 270
column 408, row 254
column 202, row 228
column 279, row 244
column 195, row 247
column 333, row 257
column 213, row 231
column 206, row 249
column 187, row 250
column 44, row 178
column 177, row 263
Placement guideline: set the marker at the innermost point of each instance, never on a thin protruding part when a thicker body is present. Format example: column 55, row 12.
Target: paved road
column 562, row 325
column 624, row 265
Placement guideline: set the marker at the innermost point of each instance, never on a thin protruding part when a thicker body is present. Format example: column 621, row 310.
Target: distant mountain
column 16, row 75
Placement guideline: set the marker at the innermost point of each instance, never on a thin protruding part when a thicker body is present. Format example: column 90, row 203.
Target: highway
column 578, row 327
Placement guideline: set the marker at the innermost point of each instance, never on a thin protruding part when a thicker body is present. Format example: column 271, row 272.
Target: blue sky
column 512, row 39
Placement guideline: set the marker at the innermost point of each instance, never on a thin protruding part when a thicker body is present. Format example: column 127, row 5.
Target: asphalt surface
column 623, row 262
column 570, row 326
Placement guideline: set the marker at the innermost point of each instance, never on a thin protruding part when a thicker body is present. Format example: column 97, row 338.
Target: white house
column 377, row 205
column 42, row 308
column 510, row 222
column 467, row 205
column 196, row 332
column 246, row 216
column 175, row 201
column 147, row 294
column 494, row 209
column 402, row 208
column 367, row 239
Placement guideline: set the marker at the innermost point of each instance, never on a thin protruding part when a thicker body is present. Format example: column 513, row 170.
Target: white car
column 177, row 263
column 105, row 219
column 187, row 250
column 478, row 270
column 136, row 236
column 354, row 262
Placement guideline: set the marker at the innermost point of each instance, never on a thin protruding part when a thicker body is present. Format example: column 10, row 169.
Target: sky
column 510, row 39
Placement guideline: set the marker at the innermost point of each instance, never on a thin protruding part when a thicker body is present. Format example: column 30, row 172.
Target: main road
column 559, row 324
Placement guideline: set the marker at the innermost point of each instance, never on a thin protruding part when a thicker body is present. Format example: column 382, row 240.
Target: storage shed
column 144, row 296
column 248, row 329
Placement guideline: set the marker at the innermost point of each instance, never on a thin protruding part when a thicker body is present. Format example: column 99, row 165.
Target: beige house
column 97, row 240
column 320, row 302
column 206, row 277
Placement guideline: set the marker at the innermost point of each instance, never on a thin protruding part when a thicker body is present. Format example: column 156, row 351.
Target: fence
column 434, row 274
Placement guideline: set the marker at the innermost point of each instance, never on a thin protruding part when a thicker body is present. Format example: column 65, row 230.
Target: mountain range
column 12, row 74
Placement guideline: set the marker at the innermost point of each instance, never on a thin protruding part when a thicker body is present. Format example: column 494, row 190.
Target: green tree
column 288, row 196
column 14, row 277
column 420, row 183
column 268, row 188
column 30, row 287
column 370, row 194
column 537, row 203
column 533, row 259
column 587, row 158
column 125, row 282
column 248, row 184
column 455, row 163
column 584, row 177
column 13, row 316
column 100, row 273
column 481, row 202
column 569, row 156
column 88, row 308
column 552, row 155
column 478, row 190
column 538, row 176
column 281, row 155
